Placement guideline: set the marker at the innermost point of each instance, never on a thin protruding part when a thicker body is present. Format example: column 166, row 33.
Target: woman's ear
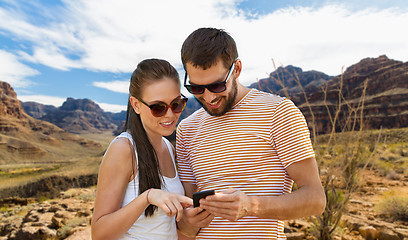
column 135, row 104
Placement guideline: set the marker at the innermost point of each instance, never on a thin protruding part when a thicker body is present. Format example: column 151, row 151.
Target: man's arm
column 309, row 199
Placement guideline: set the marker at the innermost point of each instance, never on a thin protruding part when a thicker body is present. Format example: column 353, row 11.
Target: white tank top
column 159, row 225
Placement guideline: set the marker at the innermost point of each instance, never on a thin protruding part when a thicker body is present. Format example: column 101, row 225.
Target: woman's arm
column 109, row 220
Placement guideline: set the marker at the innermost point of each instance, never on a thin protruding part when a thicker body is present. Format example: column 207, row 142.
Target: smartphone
column 198, row 195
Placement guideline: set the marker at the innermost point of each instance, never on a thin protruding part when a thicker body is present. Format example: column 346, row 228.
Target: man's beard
column 229, row 102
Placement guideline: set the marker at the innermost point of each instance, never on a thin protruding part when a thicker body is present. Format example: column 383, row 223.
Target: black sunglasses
column 160, row 109
column 216, row 87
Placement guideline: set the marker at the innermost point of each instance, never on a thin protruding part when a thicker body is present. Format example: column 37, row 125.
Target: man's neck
column 242, row 92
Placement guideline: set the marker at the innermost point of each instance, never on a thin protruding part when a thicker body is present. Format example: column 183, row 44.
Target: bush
column 68, row 228
column 394, row 207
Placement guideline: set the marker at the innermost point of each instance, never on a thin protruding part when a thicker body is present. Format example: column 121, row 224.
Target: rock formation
column 37, row 110
column 23, row 137
column 80, row 115
column 9, row 104
column 384, row 95
column 287, row 80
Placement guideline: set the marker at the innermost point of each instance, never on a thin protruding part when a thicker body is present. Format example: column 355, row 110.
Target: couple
column 247, row 145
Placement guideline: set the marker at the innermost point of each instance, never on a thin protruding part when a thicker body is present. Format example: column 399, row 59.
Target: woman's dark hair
column 204, row 46
column 147, row 72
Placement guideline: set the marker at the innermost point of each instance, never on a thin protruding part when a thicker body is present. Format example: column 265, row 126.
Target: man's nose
column 209, row 96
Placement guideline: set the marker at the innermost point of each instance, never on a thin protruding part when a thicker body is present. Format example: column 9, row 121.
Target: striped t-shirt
column 248, row 148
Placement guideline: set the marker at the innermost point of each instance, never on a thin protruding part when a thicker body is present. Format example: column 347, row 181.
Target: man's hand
column 231, row 204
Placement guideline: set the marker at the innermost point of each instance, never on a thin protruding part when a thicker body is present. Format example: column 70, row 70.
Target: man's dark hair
column 203, row 47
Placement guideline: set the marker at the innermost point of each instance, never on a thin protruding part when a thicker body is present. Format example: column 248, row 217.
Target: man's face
column 216, row 104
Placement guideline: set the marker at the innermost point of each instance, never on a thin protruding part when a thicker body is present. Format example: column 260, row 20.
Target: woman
column 139, row 194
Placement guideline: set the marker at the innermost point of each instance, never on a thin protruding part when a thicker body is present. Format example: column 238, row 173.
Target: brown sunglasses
column 160, row 109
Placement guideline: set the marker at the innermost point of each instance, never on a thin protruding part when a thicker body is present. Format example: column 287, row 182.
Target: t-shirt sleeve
column 290, row 134
column 184, row 168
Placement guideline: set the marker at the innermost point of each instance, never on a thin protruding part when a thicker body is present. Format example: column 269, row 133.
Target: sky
column 52, row 50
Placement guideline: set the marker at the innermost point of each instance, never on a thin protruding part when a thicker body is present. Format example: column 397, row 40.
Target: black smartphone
column 198, row 195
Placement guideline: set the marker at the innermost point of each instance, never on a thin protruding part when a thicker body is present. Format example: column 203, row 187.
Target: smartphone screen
column 198, row 195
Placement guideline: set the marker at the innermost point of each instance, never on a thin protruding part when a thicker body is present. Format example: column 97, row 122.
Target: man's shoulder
column 261, row 98
column 193, row 118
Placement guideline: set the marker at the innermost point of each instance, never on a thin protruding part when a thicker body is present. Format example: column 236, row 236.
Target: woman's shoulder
column 119, row 151
column 121, row 141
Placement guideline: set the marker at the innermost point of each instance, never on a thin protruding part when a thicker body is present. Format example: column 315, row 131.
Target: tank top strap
column 129, row 136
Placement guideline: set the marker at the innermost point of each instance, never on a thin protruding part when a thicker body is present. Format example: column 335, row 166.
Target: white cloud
column 43, row 99
column 115, row 86
column 107, row 36
column 115, row 108
column 324, row 39
column 14, row 72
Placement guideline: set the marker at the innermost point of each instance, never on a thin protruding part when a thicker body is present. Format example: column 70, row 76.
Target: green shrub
column 87, row 197
column 67, row 229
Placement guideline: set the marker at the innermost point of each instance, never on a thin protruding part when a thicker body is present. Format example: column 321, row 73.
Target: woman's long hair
column 147, row 72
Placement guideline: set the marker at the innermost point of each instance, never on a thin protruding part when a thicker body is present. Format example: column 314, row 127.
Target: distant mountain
column 76, row 116
column 37, row 110
column 23, row 137
column 385, row 98
column 117, row 118
column 287, row 81
column 84, row 115
column 386, row 94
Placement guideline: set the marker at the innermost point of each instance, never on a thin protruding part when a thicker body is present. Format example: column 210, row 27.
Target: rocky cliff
column 24, row 138
column 37, row 110
column 376, row 86
column 9, row 104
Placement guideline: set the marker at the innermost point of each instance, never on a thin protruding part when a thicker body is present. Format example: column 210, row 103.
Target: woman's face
column 162, row 91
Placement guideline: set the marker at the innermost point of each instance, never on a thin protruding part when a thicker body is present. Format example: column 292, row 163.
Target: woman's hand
column 171, row 203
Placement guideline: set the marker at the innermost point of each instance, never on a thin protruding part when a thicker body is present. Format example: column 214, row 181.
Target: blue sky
column 51, row 50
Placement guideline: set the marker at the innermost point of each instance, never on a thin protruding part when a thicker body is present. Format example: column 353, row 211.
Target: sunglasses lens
column 217, row 87
column 178, row 105
column 195, row 89
column 159, row 109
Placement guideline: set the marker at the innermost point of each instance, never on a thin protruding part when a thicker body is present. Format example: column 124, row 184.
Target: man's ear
column 238, row 68
column 135, row 104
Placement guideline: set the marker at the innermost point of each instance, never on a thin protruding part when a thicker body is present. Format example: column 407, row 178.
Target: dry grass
column 394, row 206
column 103, row 138
column 71, row 161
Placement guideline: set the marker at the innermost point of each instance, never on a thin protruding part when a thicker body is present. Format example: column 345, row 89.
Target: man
column 247, row 145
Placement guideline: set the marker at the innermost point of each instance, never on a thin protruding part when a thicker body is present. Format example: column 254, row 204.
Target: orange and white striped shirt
column 248, row 148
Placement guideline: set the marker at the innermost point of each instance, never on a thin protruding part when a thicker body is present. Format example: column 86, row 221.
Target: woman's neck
column 156, row 141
